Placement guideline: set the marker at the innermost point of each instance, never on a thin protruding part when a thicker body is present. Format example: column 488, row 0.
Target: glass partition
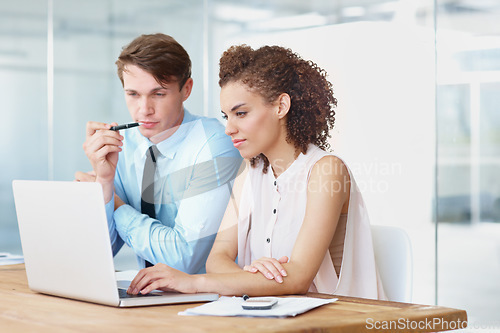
column 23, row 84
column 468, row 186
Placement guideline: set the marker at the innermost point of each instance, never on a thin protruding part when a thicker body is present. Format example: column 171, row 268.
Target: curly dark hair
column 273, row 70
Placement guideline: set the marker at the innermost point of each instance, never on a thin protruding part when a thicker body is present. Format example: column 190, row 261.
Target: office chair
column 393, row 256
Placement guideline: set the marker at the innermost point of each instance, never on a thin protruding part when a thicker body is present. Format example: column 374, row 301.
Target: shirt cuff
column 110, row 208
column 124, row 216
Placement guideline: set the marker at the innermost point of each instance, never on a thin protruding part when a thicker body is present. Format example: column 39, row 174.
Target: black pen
column 124, row 126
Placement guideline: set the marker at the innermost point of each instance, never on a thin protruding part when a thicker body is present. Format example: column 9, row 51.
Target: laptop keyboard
column 122, row 293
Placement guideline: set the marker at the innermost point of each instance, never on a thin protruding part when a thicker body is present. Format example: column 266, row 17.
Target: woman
column 297, row 221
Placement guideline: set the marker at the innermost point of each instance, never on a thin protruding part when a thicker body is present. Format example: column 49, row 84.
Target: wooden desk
column 22, row 310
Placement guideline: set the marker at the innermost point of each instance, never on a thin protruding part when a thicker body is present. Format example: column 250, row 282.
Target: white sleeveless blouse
column 271, row 214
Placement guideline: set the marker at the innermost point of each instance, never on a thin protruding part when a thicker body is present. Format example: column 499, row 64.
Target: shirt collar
column 290, row 173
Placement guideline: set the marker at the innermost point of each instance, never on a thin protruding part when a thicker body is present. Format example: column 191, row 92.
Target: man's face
column 158, row 106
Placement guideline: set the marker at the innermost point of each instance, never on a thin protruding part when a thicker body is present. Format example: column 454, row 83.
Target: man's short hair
column 158, row 54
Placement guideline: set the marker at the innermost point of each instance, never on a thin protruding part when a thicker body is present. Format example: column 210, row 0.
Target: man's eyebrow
column 157, row 89
column 151, row 91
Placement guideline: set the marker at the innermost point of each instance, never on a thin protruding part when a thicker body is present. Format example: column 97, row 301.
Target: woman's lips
column 238, row 142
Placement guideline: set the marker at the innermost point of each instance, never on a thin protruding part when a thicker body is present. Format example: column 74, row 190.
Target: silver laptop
column 66, row 245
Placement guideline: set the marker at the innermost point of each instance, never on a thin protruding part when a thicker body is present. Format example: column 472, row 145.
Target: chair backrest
column 393, row 256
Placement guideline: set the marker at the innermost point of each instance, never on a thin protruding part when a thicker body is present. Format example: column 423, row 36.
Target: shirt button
column 274, row 211
column 268, row 240
column 274, row 183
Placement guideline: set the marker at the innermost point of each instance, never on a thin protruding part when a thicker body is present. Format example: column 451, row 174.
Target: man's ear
column 284, row 105
column 187, row 88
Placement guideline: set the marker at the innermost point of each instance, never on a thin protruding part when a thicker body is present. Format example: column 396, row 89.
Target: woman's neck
column 281, row 157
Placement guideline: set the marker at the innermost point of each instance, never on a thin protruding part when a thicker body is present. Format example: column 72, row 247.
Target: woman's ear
column 284, row 105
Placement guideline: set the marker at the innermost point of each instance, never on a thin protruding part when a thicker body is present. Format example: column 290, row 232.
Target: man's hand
column 81, row 176
column 102, row 147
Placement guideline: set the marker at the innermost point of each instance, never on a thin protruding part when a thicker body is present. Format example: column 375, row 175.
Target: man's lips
column 238, row 142
column 148, row 124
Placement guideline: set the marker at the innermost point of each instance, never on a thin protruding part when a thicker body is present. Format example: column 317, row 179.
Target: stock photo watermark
column 371, row 177
column 376, row 176
column 434, row 324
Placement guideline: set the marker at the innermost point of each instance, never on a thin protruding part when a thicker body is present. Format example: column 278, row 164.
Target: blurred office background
column 418, row 120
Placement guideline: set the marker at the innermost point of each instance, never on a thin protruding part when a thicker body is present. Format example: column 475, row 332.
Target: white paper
column 10, row 259
column 231, row 306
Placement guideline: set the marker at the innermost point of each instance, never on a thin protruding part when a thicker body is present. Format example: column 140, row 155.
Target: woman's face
column 252, row 123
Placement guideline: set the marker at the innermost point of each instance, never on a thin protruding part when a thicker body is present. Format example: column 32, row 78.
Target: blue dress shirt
column 193, row 179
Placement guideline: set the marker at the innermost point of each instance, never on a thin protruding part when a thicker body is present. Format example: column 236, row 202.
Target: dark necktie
column 148, row 185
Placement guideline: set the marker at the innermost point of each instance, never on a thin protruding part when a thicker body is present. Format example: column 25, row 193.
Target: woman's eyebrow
column 237, row 106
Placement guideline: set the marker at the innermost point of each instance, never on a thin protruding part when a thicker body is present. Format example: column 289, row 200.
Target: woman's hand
column 269, row 267
column 162, row 277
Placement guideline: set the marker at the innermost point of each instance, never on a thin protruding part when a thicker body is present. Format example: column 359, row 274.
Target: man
column 194, row 161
